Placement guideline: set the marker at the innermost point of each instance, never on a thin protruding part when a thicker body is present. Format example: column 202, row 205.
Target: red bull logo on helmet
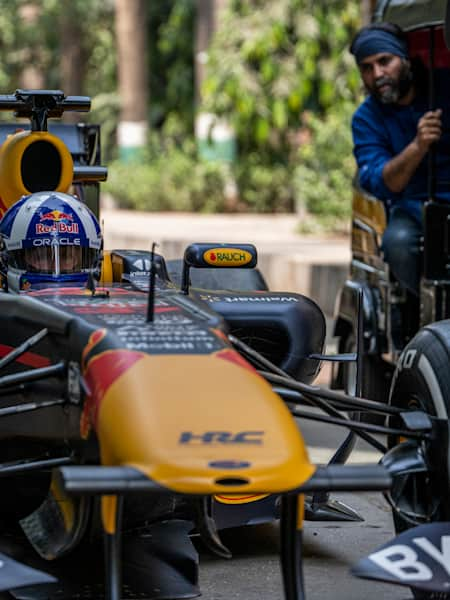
column 56, row 221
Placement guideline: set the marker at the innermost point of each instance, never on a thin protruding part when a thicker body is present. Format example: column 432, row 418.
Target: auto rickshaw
column 405, row 344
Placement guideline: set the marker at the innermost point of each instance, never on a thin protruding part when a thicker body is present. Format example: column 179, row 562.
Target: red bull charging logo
column 56, row 221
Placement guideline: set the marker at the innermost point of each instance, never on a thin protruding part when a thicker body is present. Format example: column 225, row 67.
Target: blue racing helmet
column 49, row 236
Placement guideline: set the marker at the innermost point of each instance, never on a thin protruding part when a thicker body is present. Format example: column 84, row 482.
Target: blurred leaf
column 280, row 114
column 323, row 177
column 171, row 178
column 286, row 55
column 262, row 130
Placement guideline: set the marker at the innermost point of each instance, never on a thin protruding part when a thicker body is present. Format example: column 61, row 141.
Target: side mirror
column 222, row 256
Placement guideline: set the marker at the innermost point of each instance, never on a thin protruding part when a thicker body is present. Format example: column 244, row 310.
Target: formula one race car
column 135, row 410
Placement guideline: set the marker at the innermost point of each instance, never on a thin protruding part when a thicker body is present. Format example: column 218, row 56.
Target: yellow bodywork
column 65, row 504
column 371, row 212
column 109, row 514
column 300, row 511
column 239, row 498
column 106, row 275
column 12, row 187
column 144, row 413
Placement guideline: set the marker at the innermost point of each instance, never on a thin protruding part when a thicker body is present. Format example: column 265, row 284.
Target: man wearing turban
column 393, row 131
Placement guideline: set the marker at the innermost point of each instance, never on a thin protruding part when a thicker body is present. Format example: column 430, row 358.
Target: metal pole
column 431, row 106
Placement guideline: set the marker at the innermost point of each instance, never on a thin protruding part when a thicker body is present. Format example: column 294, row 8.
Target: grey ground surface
column 329, row 548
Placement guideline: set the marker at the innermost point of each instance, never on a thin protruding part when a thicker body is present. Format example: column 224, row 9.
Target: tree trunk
column 132, row 59
column 367, row 8
column 32, row 76
column 204, row 26
column 208, row 12
column 72, row 55
column 215, row 138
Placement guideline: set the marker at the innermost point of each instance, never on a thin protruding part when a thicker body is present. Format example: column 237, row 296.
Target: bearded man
column 393, row 131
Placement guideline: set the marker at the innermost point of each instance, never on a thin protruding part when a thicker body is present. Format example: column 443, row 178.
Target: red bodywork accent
column 3, row 208
column 30, row 359
column 101, row 372
column 93, row 340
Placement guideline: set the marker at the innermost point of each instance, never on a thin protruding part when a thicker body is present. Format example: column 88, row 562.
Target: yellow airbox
column 33, row 161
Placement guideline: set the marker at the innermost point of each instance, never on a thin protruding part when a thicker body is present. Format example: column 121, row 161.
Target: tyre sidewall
column 422, row 380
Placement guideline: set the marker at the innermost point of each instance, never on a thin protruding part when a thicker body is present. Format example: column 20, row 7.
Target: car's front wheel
column 422, row 381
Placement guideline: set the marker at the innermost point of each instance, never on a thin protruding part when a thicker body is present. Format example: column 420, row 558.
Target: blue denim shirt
column 381, row 131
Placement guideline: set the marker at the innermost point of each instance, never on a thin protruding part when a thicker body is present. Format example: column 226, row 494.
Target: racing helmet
column 49, row 236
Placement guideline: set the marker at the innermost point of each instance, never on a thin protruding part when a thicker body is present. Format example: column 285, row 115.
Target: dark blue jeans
column 401, row 241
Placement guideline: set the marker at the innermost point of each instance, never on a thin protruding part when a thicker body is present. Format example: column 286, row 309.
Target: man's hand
column 398, row 171
column 429, row 130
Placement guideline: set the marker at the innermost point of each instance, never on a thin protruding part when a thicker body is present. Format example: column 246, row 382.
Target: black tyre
column 422, row 380
column 244, row 280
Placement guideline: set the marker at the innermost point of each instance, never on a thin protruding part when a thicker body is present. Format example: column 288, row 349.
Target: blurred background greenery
column 205, row 105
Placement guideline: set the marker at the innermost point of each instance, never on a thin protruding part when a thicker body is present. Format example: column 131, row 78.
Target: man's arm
column 398, row 171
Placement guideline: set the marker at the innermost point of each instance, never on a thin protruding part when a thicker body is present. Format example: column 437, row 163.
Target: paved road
column 330, row 548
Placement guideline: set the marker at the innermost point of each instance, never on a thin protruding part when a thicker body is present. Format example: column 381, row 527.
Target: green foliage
column 171, row 42
column 281, row 74
column 105, row 109
column 262, row 187
column 171, row 78
column 170, row 178
column 272, row 60
column 38, row 44
column 278, row 72
column 12, row 53
column 100, row 43
column 322, row 180
column 316, row 181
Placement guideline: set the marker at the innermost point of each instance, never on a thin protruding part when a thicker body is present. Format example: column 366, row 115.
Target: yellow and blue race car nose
column 196, row 424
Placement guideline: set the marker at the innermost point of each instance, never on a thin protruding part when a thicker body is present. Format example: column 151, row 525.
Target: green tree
column 272, row 60
column 95, row 35
column 71, row 44
column 132, row 66
column 271, row 66
column 171, row 49
column 325, row 167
